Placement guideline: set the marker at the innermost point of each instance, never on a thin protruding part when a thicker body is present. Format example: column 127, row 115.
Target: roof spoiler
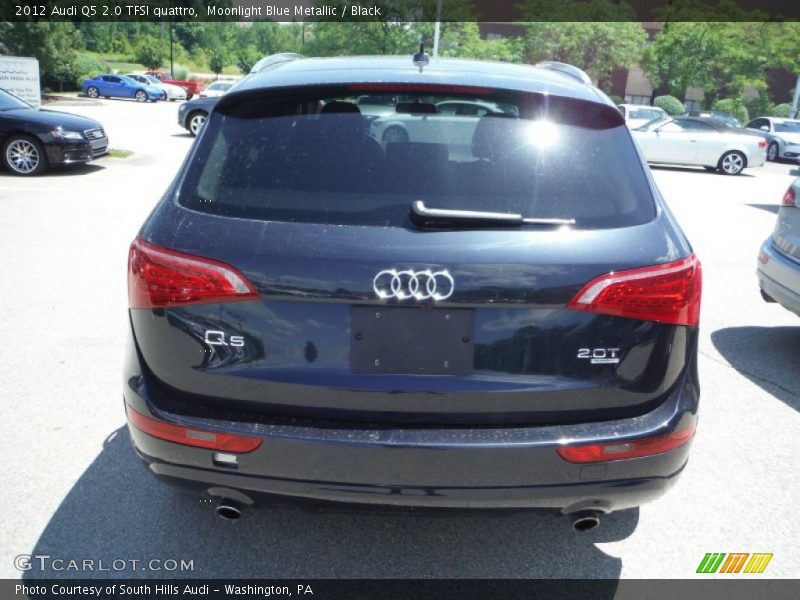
column 566, row 69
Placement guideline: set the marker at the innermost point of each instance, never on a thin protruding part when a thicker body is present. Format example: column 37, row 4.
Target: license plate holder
column 419, row 341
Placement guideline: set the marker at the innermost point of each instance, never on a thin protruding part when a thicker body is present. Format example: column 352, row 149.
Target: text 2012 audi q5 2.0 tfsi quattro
column 491, row 312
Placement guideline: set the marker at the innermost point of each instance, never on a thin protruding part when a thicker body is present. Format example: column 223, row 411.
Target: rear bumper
column 603, row 495
column 759, row 159
column 779, row 277
column 461, row 467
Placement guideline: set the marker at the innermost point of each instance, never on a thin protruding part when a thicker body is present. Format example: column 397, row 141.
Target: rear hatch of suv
column 509, row 265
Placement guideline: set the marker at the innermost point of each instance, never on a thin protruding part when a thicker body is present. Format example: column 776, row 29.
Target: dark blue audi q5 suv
column 475, row 309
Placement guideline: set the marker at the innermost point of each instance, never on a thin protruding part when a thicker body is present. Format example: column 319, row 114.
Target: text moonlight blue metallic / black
column 472, row 298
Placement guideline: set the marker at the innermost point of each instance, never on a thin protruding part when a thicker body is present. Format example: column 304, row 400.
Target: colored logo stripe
column 710, row 562
column 713, row 562
column 758, row 563
column 734, row 562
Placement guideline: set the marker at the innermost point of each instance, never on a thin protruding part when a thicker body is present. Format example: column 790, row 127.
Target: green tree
column 596, row 47
column 269, row 38
column 217, row 59
column 246, row 57
column 723, row 58
column 597, row 36
column 463, row 40
column 150, row 52
column 54, row 44
column 192, row 36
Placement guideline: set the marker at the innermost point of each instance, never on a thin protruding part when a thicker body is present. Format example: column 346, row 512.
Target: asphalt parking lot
column 77, row 492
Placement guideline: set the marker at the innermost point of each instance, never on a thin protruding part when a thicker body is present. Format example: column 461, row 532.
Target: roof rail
column 565, row 69
column 274, row 59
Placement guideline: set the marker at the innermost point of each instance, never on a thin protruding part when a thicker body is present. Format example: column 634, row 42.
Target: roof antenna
column 421, row 58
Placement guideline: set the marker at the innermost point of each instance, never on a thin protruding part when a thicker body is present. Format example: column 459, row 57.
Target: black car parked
column 33, row 140
column 192, row 114
column 497, row 312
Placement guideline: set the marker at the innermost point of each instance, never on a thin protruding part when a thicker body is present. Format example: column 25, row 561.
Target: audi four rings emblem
column 420, row 285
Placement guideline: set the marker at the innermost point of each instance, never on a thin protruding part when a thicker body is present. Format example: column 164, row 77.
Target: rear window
column 314, row 158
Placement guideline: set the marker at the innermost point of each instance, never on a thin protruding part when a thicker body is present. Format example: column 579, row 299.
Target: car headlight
column 60, row 132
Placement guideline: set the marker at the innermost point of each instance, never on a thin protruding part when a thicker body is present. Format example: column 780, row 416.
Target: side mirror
column 764, row 128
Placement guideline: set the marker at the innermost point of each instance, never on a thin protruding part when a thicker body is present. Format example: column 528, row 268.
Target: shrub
column 86, row 66
column 734, row 107
column 758, row 107
column 616, row 99
column 180, row 73
column 670, row 104
column 783, row 111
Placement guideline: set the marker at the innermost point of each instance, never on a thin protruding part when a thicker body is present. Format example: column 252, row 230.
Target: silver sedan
column 700, row 142
column 779, row 259
column 783, row 136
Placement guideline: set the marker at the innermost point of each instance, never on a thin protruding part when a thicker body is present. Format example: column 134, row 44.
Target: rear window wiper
column 422, row 215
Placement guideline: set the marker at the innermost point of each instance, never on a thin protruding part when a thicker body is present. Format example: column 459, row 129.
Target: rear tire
column 732, row 163
column 24, row 155
column 772, row 152
column 395, row 134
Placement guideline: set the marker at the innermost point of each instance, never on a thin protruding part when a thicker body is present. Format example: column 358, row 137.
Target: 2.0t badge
column 420, row 285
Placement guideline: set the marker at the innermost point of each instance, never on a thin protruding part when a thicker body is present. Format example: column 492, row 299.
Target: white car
column 637, row 115
column 216, row 89
column 779, row 259
column 421, row 122
column 701, row 142
column 173, row 92
column 783, row 136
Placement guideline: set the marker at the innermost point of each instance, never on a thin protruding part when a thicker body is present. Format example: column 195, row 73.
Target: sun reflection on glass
column 542, row 134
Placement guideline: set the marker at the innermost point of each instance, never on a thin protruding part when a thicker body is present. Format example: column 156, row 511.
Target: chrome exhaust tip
column 229, row 510
column 585, row 520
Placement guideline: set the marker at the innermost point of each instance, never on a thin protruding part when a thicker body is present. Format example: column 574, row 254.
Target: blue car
column 120, row 86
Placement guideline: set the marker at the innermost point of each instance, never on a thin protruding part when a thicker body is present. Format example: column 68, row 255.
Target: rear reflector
column 589, row 453
column 160, row 278
column 789, row 198
column 199, row 438
column 668, row 293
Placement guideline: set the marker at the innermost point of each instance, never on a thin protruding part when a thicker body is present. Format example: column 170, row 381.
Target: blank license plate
column 432, row 341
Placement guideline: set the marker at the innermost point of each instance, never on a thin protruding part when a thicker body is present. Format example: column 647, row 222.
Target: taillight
column 159, row 278
column 762, row 143
column 200, row 438
column 589, row 453
column 419, row 88
column 789, row 198
column 668, row 293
